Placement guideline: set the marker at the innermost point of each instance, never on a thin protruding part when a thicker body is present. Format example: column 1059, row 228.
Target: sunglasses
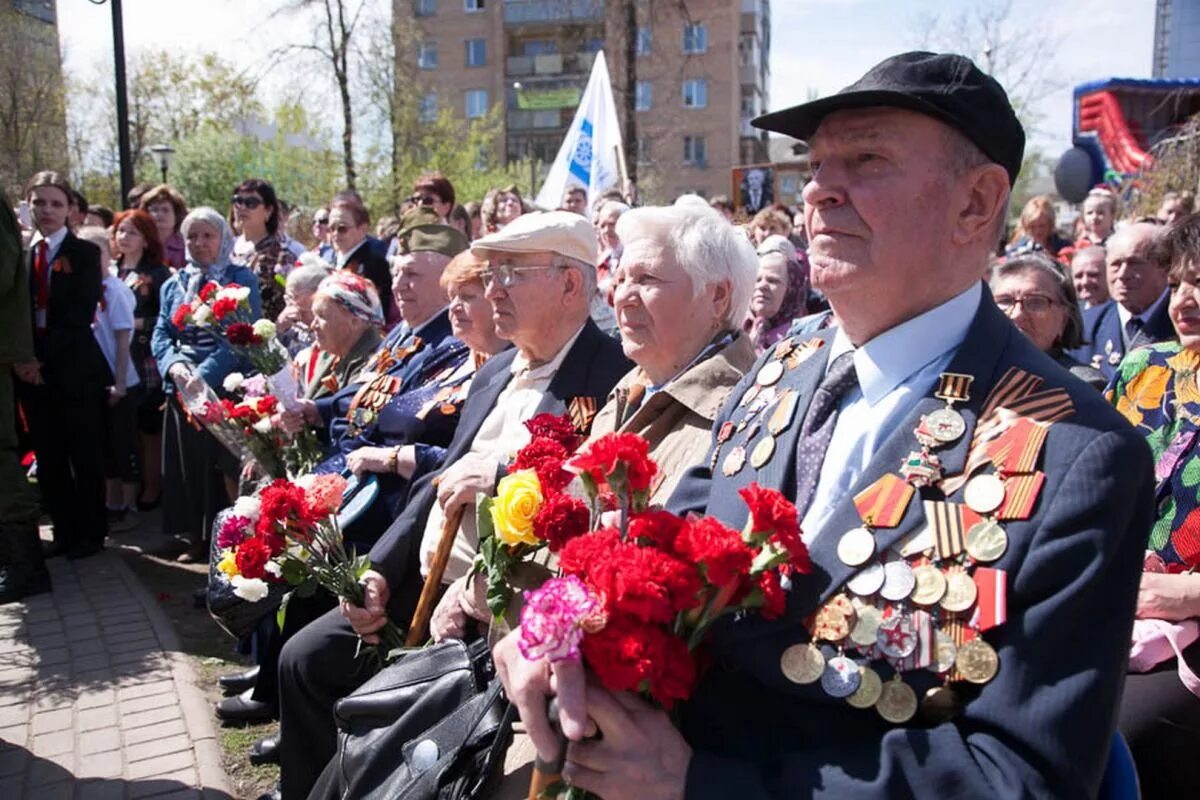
column 340, row 228
column 424, row 199
column 246, row 201
column 320, row 220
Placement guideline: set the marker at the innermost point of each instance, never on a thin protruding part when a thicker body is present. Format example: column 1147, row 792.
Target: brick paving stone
column 40, row 641
column 100, row 790
column 145, row 690
column 127, row 627
column 53, row 744
column 136, row 656
column 46, row 625
column 87, row 647
column 100, row 765
column 50, row 721
column 85, row 663
column 49, row 658
column 14, row 715
column 96, row 678
column 130, row 721
column 101, row 740
column 12, row 698
column 95, row 698
column 95, row 718
column 163, row 784
column 13, row 646
column 78, row 623
column 13, row 761
column 131, row 636
column 149, row 669
column 16, row 735
column 46, row 771
column 53, row 700
column 147, row 703
column 146, row 644
column 160, row 765
column 158, row 730
column 110, row 621
column 158, row 747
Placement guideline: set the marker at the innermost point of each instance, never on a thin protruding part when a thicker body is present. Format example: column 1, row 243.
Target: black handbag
column 236, row 616
column 434, row 724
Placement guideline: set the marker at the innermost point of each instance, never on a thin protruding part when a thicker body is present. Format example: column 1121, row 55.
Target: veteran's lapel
column 803, row 380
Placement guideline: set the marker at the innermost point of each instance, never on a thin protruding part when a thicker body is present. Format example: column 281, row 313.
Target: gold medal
column 762, row 452
column 784, row 412
column 856, row 547
column 986, row 541
column 734, row 462
column 769, row 374
column 897, row 701
column 870, row 686
column 977, row 661
column 983, row 494
column 802, row 663
column 835, row 619
column 940, row 704
column 961, row 591
column 931, row 585
column 866, row 628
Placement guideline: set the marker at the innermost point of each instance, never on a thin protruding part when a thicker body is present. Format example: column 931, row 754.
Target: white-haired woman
column 294, row 323
column 193, row 490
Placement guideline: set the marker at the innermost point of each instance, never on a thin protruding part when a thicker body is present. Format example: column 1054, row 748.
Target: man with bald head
column 1136, row 315
column 975, row 516
column 1088, row 274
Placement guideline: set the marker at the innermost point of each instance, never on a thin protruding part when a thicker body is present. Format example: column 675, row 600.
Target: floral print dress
column 1156, row 389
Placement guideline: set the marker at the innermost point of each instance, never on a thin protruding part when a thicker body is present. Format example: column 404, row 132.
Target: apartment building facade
column 702, row 70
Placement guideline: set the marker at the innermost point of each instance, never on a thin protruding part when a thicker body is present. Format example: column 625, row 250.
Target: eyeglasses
column 1032, row 303
column 320, row 220
column 247, row 201
column 424, row 199
column 340, row 228
column 508, row 274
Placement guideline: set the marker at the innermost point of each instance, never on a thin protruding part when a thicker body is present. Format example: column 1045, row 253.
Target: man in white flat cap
column 539, row 280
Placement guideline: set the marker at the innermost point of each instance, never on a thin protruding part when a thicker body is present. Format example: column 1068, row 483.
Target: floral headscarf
column 355, row 294
column 215, row 271
column 765, row 332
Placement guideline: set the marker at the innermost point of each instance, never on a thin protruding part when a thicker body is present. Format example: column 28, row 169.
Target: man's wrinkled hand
column 368, row 618
column 529, row 685
column 463, row 480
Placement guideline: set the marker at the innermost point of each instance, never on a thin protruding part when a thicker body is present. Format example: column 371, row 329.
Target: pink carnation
column 233, row 532
column 553, row 618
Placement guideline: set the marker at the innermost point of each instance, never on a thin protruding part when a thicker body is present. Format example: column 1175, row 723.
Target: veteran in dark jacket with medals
column 975, row 516
column 539, row 280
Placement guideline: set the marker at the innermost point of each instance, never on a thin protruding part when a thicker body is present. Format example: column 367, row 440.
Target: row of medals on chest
column 890, row 601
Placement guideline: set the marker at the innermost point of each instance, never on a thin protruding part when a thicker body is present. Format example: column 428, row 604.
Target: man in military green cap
column 22, row 570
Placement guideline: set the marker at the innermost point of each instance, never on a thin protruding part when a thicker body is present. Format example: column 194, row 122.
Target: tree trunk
column 339, row 44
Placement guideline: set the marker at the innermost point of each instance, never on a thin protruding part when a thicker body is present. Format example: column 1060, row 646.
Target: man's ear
column 985, row 205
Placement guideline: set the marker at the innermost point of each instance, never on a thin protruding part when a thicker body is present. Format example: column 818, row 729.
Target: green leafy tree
column 32, row 116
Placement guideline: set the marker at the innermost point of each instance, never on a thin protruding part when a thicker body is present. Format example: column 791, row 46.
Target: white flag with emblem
column 588, row 156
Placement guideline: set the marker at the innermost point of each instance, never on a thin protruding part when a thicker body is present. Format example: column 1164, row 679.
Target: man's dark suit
column 66, row 412
column 1042, row 727
column 1104, row 346
column 318, row 665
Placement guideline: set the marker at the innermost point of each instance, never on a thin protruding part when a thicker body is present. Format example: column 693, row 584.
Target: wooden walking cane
column 418, row 630
column 547, row 773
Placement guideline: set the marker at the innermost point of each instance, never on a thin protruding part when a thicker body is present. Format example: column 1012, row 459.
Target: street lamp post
column 162, row 154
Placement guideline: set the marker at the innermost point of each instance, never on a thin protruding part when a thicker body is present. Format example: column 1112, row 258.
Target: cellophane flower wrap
column 255, row 415
column 531, row 512
column 287, row 532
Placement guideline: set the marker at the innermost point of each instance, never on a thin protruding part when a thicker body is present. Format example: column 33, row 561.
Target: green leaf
column 1160, row 532
column 281, row 614
column 1191, row 473
column 483, row 517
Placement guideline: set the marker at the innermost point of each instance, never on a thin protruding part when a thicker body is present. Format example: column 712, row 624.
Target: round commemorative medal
column 944, row 652
column 734, row 461
column 856, row 547
column 977, row 661
column 898, row 581
column 802, row 663
column 986, row 541
column 762, row 452
column 961, row 591
column 769, row 374
column 897, row 636
column 983, row 494
column 897, row 701
column 867, row 581
column 841, row 677
column 866, row 628
column 870, row 686
column 835, row 619
column 941, row 703
column 946, row 425
column 931, row 585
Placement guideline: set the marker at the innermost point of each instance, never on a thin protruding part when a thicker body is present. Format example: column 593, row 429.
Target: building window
column 643, row 41
column 643, row 96
column 472, row 6
column 539, row 47
column 424, row 8
column 429, row 109
column 695, row 38
column 695, row 151
column 476, row 52
column 695, row 93
column 427, row 55
column 477, row 103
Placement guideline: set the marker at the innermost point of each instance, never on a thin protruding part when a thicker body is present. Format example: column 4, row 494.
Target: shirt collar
column 1124, row 314
column 53, row 241
column 520, row 363
column 897, row 354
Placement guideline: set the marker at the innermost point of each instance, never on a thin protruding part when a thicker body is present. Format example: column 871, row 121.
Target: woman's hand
column 369, row 459
column 29, row 372
column 115, row 393
column 304, row 413
column 1169, row 597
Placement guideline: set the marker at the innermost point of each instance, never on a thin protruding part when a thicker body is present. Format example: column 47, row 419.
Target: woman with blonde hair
column 1037, row 227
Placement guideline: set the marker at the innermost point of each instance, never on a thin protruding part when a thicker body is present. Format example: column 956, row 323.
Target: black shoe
column 171, row 548
column 241, row 708
column 265, row 751
column 239, row 681
column 274, row 794
column 17, row 583
column 200, row 601
column 54, row 549
column 197, row 553
column 83, row 550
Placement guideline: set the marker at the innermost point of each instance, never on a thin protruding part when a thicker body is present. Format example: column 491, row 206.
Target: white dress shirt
column 895, row 370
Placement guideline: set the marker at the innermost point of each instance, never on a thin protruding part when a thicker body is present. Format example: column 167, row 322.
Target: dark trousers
column 270, row 639
column 67, row 425
column 1160, row 720
column 19, row 510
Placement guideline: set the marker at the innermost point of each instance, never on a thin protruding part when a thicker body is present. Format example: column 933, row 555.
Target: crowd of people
column 421, row 344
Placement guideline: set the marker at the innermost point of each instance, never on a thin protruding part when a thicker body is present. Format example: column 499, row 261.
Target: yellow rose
column 228, row 564
column 518, row 499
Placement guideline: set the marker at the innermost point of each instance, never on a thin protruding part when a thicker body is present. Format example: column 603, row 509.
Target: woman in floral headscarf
column 193, row 490
column 1156, row 390
column 780, row 292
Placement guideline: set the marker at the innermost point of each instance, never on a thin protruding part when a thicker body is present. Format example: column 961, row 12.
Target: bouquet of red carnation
column 531, row 511
column 278, row 453
column 287, row 532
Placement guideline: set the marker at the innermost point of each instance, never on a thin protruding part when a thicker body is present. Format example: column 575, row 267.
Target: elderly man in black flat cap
column 975, row 515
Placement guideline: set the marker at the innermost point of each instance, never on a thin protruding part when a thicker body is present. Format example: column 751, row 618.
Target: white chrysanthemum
column 249, row 589
column 202, row 316
column 264, row 329
column 233, row 381
column 274, row 569
column 263, row 426
column 241, row 293
column 249, row 507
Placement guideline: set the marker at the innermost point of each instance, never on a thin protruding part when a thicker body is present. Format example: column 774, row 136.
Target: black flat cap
column 944, row 86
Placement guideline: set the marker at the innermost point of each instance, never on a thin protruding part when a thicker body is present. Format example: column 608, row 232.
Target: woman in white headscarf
column 193, row 488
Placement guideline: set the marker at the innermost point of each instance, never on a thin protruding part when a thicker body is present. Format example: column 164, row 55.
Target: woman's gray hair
column 211, row 217
column 308, row 275
column 608, row 205
column 777, row 245
column 1072, row 333
column 703, row 243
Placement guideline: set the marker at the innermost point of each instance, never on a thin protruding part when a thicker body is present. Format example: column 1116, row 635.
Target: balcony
column 549, row 65
column 526, row 12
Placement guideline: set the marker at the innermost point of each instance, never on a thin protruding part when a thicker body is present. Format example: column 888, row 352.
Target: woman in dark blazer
column 62, row 392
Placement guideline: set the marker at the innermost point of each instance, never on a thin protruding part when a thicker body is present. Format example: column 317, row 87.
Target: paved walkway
column 96, row 699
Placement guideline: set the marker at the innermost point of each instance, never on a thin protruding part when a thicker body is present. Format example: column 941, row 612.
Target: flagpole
column 620, row 152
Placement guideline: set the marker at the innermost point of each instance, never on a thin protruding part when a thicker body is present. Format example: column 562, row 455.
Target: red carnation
column 560, row 519
column 632, row 656
column 241, row 334
column 252, row 557
column 180, row 318
column 207, row 291
column 658, row 528
column 605, row 455
column 223, row 307
column 267, row 404
column 545, row 456
column 774, row 514
column 558, row 428
column 774, row 598
column 719, row 551
column 677, row 677
column 649, row 583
